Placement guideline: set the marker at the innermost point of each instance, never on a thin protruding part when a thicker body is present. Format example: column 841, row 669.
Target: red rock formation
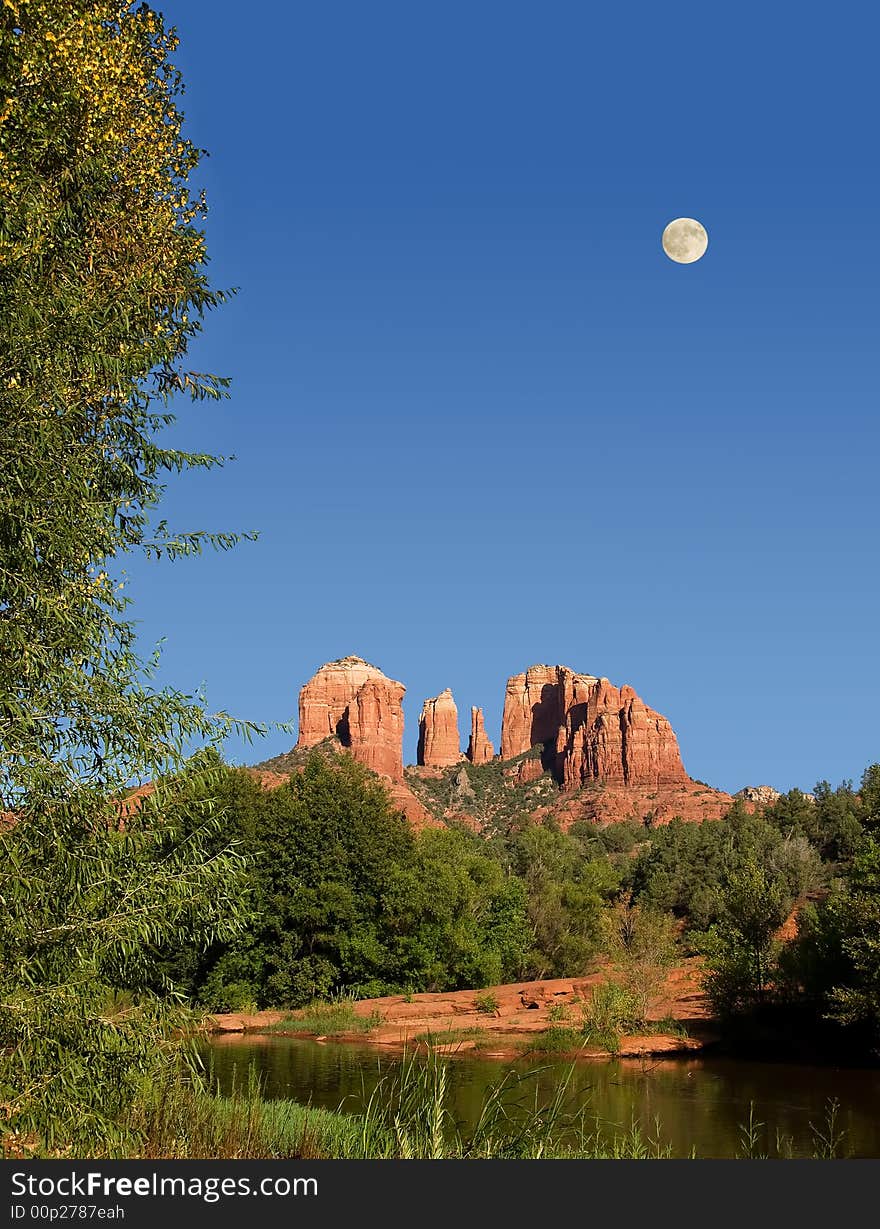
column 480, row 750
column 760, row 795
column 526, row 770
column 355, row 702
column 599, row 732
column 532, row 710
column 415, row 811
column 439, row 742
column 590, row 734
column 658, row 805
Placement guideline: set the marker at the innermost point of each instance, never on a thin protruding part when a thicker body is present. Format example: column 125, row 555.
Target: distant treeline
column 342, row 895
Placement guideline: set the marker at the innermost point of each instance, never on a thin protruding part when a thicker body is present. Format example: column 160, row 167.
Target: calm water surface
column 700, row 1103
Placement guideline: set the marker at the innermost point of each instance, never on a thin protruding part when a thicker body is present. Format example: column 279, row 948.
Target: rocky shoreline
column 497, row 1020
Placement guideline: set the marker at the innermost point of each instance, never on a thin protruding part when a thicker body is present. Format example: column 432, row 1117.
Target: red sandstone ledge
column 523, row 1009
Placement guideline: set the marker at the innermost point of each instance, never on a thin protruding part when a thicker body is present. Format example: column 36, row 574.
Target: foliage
column 558, row 1039
column 462, row 920
column 567, row 893
column 486, row 1003
column 178, row 1117
column 685, row 867
column 454, row 1036
column 338, row 1016
column 613, row 839
column 739, row 947
column 102, row 287
column 408, row 1115
column 609, row 1012
column 492, row 792
column 641, row 943
column 855, row 996
column 85, row 903
column 835, row 961
column 343, row 896
column 830, row 820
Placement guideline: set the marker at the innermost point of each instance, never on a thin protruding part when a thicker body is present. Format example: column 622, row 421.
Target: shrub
column 558, row 1013
column 611, row 1010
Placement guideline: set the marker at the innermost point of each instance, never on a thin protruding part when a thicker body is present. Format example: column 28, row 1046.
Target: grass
column 609, row 1013
column 451, row 1036
column 668, row 1026
column 557, row 1039
column 486, row 1003
column 559, row 1013
column 408, row 1116
column 183, row 1120
column 327, row 1019
column 606, row 1017
column 828, row 1139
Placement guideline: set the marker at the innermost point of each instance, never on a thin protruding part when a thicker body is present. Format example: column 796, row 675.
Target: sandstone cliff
column 532, row 710
column 439, row 741
column 357, row 704
column 480, row 750
column 591, row 730
column 573, row 746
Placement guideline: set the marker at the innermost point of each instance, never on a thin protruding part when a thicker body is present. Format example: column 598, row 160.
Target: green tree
column 642, row 945
column 687, row 868
column 680, row 870
column 343, row 896
column 468, row 917
column 567, row 893
column 855, row 998
column 836, row 959
column 85, row 905
column 102, row 287
column 325, row 848
column 830, row 820
column 739, row 948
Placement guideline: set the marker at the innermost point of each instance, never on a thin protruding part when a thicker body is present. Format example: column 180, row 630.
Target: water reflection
column 699, row 1103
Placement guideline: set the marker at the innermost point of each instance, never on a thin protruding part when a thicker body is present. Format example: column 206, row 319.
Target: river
column 701, row 1104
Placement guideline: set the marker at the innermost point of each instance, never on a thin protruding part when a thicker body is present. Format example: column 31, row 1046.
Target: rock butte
column 439, row 744
column 590, row 729
column 590, row 734
column 354, row 702
column 480, row 750
column 605, row 756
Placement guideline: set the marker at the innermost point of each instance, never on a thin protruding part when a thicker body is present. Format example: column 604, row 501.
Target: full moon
column 685, row 240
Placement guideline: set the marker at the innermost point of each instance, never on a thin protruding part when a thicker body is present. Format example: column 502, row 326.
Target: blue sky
column 482, row 421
